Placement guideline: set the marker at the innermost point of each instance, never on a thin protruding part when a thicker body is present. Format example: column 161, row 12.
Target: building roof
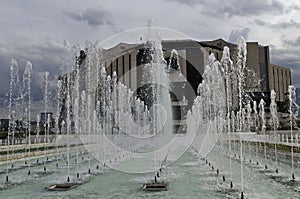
column 217, row 44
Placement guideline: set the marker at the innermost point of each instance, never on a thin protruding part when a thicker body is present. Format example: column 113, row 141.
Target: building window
column 123, row 68
column 274, row 82
column 117, row 67
column 111, row 68
column 129, row 63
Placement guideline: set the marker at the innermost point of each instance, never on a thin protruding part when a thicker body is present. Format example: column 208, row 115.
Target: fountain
column 115, row 128
column 45, row 119
column 27, row 98
column 293, row 110
column 11, row 129
column 263, row 128
column 275, row 122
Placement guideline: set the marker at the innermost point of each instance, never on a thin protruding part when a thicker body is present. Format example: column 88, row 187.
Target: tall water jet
column 77, row 113
column 275, row 122
column 57, row 118
column 102, row 108
column 208, row 111
column 263, row 128
column 89, row 127
column 249, row 122
column 228, row 66
column 293, row 110
column 98, row 126
column 27, row 98
column 14, row 70
column 241, row 65
column 68, row 134
column 38, row 139
column 45, row 119
column 255, row 125
column 156, row 81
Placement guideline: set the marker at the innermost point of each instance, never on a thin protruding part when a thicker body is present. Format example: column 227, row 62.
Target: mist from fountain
column 208, row 112
column 155, row 76
column 212, row 110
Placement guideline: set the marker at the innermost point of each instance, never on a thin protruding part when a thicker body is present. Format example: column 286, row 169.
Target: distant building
column 4, row 124
column 261, row 75
column 127, row 60
column 279, row 80
column 45, row 116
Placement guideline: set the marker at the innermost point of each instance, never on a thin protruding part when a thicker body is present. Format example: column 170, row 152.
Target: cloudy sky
column 36, row 30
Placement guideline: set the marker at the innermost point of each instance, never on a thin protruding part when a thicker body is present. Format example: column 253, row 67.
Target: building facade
column 279, row 81
column 260, row 76
column 127, row 60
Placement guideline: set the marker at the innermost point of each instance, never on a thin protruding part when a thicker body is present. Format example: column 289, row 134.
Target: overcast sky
column 35, row 30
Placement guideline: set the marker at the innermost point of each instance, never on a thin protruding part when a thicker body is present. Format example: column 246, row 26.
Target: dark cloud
column 295, row 43
column 293, row 7
column 48, row 56
column 296, row 7
column 281, row 25
column 94, row 17
column 4, row 75
column 286, row 24
column 235, row 34
column 261, row 23
column 231, row 8
column 288, row 56
column 188, row 2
